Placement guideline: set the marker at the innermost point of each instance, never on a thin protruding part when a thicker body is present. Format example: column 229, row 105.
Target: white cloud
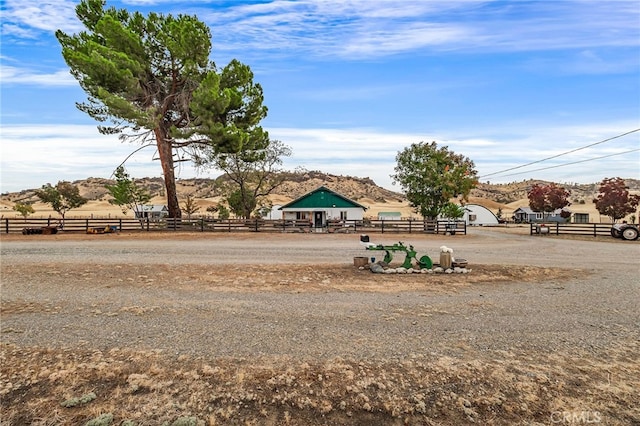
column 9, row 74
column 33, row 155
column 358, row 29
column 40, row 15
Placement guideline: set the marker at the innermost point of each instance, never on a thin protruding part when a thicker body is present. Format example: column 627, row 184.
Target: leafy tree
column 127, row 194
column 151, row 78
column 239, row 203
column 25, row 209
column 452, row 211
column 547, row 198
column 251, row 176
column 223, row 212
column 432, row 176
column 614, row 200
column 190, row 206
column 62, row 197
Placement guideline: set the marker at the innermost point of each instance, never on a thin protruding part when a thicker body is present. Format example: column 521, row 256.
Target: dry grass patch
column 496, row 388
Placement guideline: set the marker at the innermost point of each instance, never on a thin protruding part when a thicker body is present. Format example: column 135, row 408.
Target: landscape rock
column 376, row 268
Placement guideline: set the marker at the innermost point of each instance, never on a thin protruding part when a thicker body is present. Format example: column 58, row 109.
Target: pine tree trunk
column 165, row 152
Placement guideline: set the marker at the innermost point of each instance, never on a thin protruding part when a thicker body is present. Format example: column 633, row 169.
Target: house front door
column 317, row 219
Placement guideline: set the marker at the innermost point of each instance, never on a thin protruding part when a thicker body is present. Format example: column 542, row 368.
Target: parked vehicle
column 626, row 231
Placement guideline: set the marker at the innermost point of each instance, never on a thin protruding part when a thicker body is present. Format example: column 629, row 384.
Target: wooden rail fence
column 99, row 225
column 592, row 229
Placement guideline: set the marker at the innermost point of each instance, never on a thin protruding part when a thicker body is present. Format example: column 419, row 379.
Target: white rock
column 448, row 271
column 438, row 270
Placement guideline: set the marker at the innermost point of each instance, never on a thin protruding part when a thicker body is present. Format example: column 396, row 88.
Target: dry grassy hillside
column 503, row 198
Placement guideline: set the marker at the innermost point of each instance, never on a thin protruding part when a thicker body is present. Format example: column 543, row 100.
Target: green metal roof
column 322, row 197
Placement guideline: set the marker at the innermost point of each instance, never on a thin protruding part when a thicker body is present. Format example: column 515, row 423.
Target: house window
column 343, row 215
column 538, row 215
column 581, row 218
column 301, row 215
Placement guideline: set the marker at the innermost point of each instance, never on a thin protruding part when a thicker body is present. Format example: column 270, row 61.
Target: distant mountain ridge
column 299, row 183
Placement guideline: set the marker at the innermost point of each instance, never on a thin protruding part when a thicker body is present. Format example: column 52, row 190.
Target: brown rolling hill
column 503, row 198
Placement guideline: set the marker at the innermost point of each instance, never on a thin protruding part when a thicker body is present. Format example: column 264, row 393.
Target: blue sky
column 349, row 84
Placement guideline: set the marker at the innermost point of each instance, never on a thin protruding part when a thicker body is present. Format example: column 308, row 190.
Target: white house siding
column 329, row 213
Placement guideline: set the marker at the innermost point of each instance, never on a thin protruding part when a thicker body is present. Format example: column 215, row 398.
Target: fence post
column 557, row 228
column 147, row 223
column 120, row 225
column 382, row 227
column 409, row 225
column 86, row 226
column 595, row 230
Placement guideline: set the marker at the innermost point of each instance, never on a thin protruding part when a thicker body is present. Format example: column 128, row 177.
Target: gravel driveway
column 595, row 308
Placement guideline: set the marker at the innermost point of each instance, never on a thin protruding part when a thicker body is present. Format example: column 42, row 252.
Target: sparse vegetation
column 62, row 197
column 25, row 209
column 75, row 401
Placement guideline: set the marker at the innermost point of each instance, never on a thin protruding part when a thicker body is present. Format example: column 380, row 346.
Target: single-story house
column 151, row 211
column 477, row 215
column 322, row 205
column 526, row 215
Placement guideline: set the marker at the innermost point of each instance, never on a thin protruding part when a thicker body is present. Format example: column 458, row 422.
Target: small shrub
column 185, row 421
column 84, row 399
column 101, row 420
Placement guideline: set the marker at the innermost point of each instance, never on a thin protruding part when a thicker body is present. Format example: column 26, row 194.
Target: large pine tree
column 151, row 79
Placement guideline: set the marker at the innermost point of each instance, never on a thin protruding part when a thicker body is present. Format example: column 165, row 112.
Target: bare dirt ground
column 274, row 329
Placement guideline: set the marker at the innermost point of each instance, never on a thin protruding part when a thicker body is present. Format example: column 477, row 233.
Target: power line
column 560, row 155
column 574, row 162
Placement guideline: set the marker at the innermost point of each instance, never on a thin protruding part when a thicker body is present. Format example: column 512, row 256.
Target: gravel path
column 68, row 304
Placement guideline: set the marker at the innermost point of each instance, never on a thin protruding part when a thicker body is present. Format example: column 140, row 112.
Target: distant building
column 581, row 218
column 477, row 215
column 151, row 211
column 389, row 216
column 526, row 215
column 274, row 213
